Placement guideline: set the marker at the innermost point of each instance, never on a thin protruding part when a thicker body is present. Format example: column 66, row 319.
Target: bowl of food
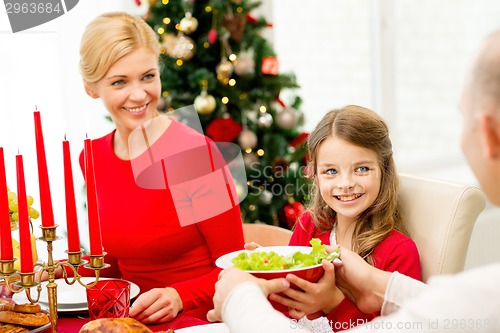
column 273, row 262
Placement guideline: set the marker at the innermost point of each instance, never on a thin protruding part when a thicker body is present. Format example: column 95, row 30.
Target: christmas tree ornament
column 250, row 160
column 212, row 36
column 265, row 120
column 241, row 191
column 244, row 65
column 279, row 167
column 223, row 129
column 291, row 212
column 180, row 46
column 266, row 197
column 287, row 118
column 224, row 71
column 235, row 24
column 204, row 103
column 188, row 24
column 270, row 65
column 247, row 139
column 299, row 140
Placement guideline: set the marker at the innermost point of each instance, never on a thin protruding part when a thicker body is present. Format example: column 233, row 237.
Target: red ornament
column 270, row 65
column 212, row 36
column 292, row 212
column 300, row 139
column 223, row 129
column 252, row 19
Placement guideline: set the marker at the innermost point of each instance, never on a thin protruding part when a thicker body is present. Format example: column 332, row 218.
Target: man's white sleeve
column 246, row 310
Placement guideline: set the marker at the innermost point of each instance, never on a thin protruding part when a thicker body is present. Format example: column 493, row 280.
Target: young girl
column 354, row 205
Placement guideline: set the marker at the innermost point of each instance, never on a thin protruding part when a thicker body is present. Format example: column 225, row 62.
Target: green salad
column 268, row 261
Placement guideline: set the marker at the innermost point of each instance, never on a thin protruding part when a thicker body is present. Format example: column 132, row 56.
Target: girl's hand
column 322, row 296
column 251, row 246
column 158, row 305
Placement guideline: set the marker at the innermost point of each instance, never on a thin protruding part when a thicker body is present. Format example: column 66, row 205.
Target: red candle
column 92, row 208
column 71, row 216
column 43, row 175
column 24, row 223
column 5, row 233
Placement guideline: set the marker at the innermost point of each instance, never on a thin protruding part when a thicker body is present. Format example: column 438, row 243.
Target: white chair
column 440, row 217
column 265, row 234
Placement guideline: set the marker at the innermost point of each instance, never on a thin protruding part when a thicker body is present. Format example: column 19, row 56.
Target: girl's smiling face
column 348, row 177
column 130, row 90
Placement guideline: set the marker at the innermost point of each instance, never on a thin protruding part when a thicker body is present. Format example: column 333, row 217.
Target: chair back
column 265, row 234
column 439, row 217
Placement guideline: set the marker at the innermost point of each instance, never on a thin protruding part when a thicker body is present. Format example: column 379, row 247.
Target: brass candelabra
column 26, row 281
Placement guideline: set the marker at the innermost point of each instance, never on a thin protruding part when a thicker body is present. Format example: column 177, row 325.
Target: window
column 405, row 59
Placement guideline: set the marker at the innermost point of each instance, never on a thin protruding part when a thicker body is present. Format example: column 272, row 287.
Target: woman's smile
column 138, row 109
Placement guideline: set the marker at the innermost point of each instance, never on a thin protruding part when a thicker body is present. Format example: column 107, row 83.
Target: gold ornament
column 265, row 120
column 245, row 65
column 247, row 139
column 287, row 118
column 188, row 24
column 251, row 160
column 224, row 71
column 180, row 46
column 205, row 103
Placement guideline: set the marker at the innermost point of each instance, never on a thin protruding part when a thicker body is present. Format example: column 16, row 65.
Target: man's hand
column 362, row 283
column 230, row 278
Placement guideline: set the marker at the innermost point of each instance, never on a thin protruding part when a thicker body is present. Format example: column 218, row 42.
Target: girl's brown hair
column 364, row 128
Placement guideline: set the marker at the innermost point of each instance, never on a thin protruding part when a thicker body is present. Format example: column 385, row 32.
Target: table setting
column 74, row 301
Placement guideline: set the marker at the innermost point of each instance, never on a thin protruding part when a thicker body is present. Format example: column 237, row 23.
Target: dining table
column 72, row 323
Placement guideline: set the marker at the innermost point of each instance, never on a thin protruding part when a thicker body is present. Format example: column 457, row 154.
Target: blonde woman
column 173, row 264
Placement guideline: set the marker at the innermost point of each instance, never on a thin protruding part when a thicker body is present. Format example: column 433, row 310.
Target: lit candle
column 43, row 175
column 92, row 208
column 71, row 216
column 24, row 223
column 5, row 233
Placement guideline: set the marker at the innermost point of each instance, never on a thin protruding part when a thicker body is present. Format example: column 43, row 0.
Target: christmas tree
column 214, row 57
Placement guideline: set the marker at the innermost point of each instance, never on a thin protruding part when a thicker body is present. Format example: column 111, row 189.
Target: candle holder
column 26, row 281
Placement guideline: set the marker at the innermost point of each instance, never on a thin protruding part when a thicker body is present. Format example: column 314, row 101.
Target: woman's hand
column 158, row 305
column 314, row 299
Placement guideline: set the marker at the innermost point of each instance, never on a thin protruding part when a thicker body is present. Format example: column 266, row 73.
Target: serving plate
column 70, row 298
column 35, row 329
column 40, row 329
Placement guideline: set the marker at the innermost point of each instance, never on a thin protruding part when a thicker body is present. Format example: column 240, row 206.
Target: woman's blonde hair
column 364, row 128
column 109, row 37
